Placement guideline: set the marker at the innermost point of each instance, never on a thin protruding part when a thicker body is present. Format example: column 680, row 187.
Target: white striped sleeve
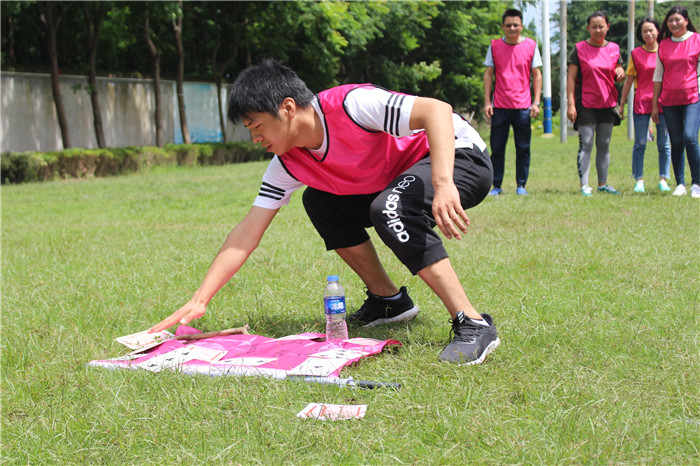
column 377, row 109
column 277, row 186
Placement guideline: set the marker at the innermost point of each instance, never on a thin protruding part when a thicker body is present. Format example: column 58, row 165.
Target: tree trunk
column 53, row 24
column 177, row 27
column 222, row 117
column 11, row 58
column 94, row 31
column 155, row 54
column 218, row 79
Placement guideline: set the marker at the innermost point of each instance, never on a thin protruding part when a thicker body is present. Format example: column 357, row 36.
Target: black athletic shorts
column 401, row 213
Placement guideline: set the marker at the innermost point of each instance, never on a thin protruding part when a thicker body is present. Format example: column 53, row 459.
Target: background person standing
column 594, row 67
column 640, row 71
column 676, row 84
column 515, row 61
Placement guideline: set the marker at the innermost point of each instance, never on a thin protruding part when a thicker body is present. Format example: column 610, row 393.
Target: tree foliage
column 428, row 47
column 431, row 48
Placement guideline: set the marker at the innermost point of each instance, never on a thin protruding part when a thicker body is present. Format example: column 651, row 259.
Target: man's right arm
column 488, row 87
column 239, row 245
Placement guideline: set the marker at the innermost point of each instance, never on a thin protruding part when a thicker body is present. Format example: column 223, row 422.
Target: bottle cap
column 332, row 278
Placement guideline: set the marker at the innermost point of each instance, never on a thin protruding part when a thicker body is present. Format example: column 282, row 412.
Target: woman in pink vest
column 676, row 83
column 594, row 66
column 639, row 72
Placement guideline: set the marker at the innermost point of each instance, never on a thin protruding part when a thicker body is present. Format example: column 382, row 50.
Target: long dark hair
column 678, row 9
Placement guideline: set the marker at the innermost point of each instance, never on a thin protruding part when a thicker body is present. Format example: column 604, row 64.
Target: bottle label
column 334, row 304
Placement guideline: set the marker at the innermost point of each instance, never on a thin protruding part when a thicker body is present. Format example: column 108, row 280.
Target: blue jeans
column 641, row 132
column 683, row 125
column 501, row 122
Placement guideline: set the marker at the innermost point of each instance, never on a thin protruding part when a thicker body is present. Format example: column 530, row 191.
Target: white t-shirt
column 367, row 106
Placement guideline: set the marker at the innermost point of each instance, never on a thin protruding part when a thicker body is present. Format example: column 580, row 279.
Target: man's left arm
column 435, row 117
column 536, row 66
column 537, row 91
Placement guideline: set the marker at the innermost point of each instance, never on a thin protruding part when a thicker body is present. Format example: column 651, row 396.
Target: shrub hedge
column 22, row 167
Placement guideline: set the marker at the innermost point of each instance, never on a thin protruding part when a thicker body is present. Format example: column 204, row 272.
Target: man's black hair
column 262, row 88
column 512, row 12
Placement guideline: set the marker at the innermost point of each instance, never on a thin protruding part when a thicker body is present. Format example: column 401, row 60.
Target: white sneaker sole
column 494, row 344
column 403, row 317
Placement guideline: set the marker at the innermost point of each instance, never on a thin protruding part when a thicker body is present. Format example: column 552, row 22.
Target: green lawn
column 595, row 300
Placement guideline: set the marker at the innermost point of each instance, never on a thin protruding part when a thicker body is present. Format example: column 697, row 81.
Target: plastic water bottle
column 334, row 307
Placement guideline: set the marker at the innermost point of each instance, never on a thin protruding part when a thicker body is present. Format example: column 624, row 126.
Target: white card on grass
column 328, row 412
column 142, row 339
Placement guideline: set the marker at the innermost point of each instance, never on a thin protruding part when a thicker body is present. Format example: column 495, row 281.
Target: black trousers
column 402, row 213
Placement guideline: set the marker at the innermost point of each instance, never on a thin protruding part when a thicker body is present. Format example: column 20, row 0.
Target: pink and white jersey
column 512, row 65
column 680, row 61
column 644, row 64
column 368, row 142
column 356, row 160
column 598, row 73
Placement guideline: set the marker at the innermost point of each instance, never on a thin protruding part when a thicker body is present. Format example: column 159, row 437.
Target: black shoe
column 377, row 311
column 472, row 342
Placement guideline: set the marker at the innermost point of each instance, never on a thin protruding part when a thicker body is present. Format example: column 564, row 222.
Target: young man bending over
column 369, row 158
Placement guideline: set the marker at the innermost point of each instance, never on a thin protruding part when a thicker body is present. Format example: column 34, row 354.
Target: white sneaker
column 680, row 190
column 639, row 186
column 663, row 186
column 695, row 191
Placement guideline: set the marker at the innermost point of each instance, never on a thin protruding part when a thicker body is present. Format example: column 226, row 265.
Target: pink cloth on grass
column 307, row 354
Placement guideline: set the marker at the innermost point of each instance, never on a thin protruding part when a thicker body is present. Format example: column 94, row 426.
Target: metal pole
column 563, row 69
column 546, row 71
column 630, row 46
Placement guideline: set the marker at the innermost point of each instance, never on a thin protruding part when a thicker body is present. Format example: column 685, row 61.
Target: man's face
column 512, row 27
column 272, row 133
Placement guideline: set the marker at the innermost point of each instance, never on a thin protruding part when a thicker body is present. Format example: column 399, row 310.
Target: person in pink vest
column 515, row 61
column 676, row 84
column 368, row 157
column 639, row 72
column 594, row 67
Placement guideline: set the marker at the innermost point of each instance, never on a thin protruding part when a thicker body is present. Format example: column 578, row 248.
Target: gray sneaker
column 472, row 342
column 377, row 311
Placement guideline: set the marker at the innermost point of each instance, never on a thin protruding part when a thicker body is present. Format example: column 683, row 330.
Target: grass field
column 596, row 302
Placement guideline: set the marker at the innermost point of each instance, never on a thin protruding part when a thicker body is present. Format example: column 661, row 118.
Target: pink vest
column 357, row 160
column 513, row 65
column 645, row 64
column 598, row 74
column 680, row 60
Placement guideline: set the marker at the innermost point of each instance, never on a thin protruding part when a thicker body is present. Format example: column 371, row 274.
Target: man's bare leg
column 442, row 279
column 364, row 261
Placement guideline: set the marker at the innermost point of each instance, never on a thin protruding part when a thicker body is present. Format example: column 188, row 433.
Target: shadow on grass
column 419, row 331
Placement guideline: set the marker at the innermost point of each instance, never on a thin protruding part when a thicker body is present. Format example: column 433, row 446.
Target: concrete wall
column 28, row 113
